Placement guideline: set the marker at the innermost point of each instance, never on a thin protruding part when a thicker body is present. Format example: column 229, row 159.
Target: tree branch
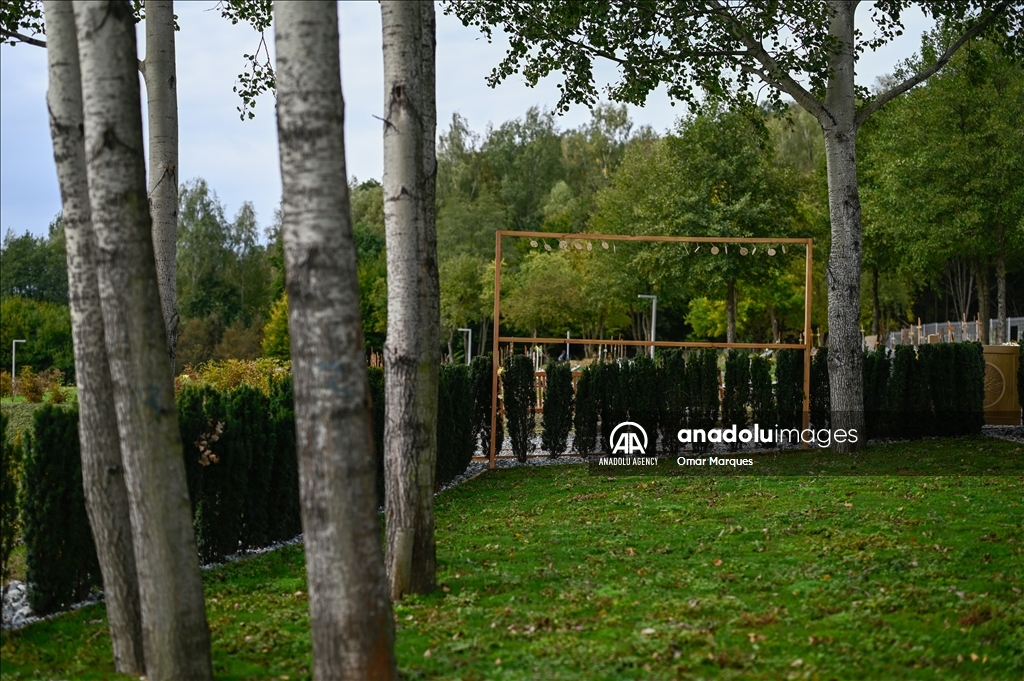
column 22, row 38
column 921, row 76
column 772, row 73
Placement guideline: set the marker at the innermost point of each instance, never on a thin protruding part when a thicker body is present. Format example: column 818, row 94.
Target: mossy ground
column 557, row 573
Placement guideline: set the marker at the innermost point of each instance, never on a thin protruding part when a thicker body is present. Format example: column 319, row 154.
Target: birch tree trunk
column 981, row 281
column 839, row 125
column 106, row 496
column 412, row 347
column 876, row 308
column 176, row 638
column 162, row 99
column 353, row 630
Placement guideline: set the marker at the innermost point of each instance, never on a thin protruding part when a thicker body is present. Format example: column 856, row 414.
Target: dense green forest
column 943, row 213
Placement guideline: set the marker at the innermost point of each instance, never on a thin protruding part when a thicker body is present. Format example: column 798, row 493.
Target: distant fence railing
column 956, row 331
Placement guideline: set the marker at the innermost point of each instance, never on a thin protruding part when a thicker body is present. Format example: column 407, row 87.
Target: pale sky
column 239, row 158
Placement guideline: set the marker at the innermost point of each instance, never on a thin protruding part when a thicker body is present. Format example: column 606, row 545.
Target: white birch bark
column 839, row 123
column 411, row 350
column 162, row 99
column 106, row 496
column 176, row 638
column 353, row 630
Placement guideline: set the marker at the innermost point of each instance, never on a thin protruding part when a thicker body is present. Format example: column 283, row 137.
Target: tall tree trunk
column 162, row 97
column 482, row 349
column 1001, row 325
column 984, row 304
column 175, row 633
column 106, row 495
column 730, row 312
column 838, row 122
column 876, row 308
column 411, row 348
column 353, row 630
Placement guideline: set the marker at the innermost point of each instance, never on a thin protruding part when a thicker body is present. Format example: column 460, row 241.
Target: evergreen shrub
column 942, row 387
column 61, row 563
column 762, row 402
column 375, row 380
column 970, row 387
column 587, row 411
column 876, row 387
column 455, row 442
column 789, row 391
column 643, row 396
column 10, row 456
column 674, row 398
column 702, row 371
column 736, row 395
column 517, row 382
column 821, row 400
column 480, row 369
column 612, row 388
column 558, row 408
column 283, row 508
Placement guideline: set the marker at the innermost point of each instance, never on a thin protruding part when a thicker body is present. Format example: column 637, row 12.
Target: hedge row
column 60, row 557
column 241, row 466
column 677, row 392
column 936, row 390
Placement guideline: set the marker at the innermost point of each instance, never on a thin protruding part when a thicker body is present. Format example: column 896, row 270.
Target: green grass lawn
column 557, row 573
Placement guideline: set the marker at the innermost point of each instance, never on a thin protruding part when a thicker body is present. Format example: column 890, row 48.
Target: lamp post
column 14, row 352
column 654, row 318
column 469, row 343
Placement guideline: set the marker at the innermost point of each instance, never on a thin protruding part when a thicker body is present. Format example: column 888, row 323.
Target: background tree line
column 943, row 215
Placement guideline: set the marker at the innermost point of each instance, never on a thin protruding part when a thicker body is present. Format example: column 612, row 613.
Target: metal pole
column 654, row 318
column 566, row 346
column 469, row 345
column 494, row 357
column 14, row 352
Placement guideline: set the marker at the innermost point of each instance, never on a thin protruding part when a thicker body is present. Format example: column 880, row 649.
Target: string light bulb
column 547, row 247
column 563, row 245
column 743, row 250
column 590, row 246
column 578, row 245
column 714, row 250
column 604, row 245
column 533, row 243
column 771, row 251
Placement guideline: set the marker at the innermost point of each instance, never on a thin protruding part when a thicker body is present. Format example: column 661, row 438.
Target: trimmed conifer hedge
column 480, row 372
column 613, row 393
column 736, row 395
column 587, row 411
column 675, row 398
column 517, row 387
column 375, row 380
column 876, row 387
column 61, row 563
column 558, row 408
column 703, row 375
column 643, row 396
column 10, row 455
column 762, row 401
column 789, row 387
column 455, row 442
column 821, row 415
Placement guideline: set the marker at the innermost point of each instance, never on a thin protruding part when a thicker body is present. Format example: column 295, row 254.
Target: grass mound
column 555, row 573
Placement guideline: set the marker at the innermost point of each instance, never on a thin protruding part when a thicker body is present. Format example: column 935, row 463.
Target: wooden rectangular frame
column 498, row 339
